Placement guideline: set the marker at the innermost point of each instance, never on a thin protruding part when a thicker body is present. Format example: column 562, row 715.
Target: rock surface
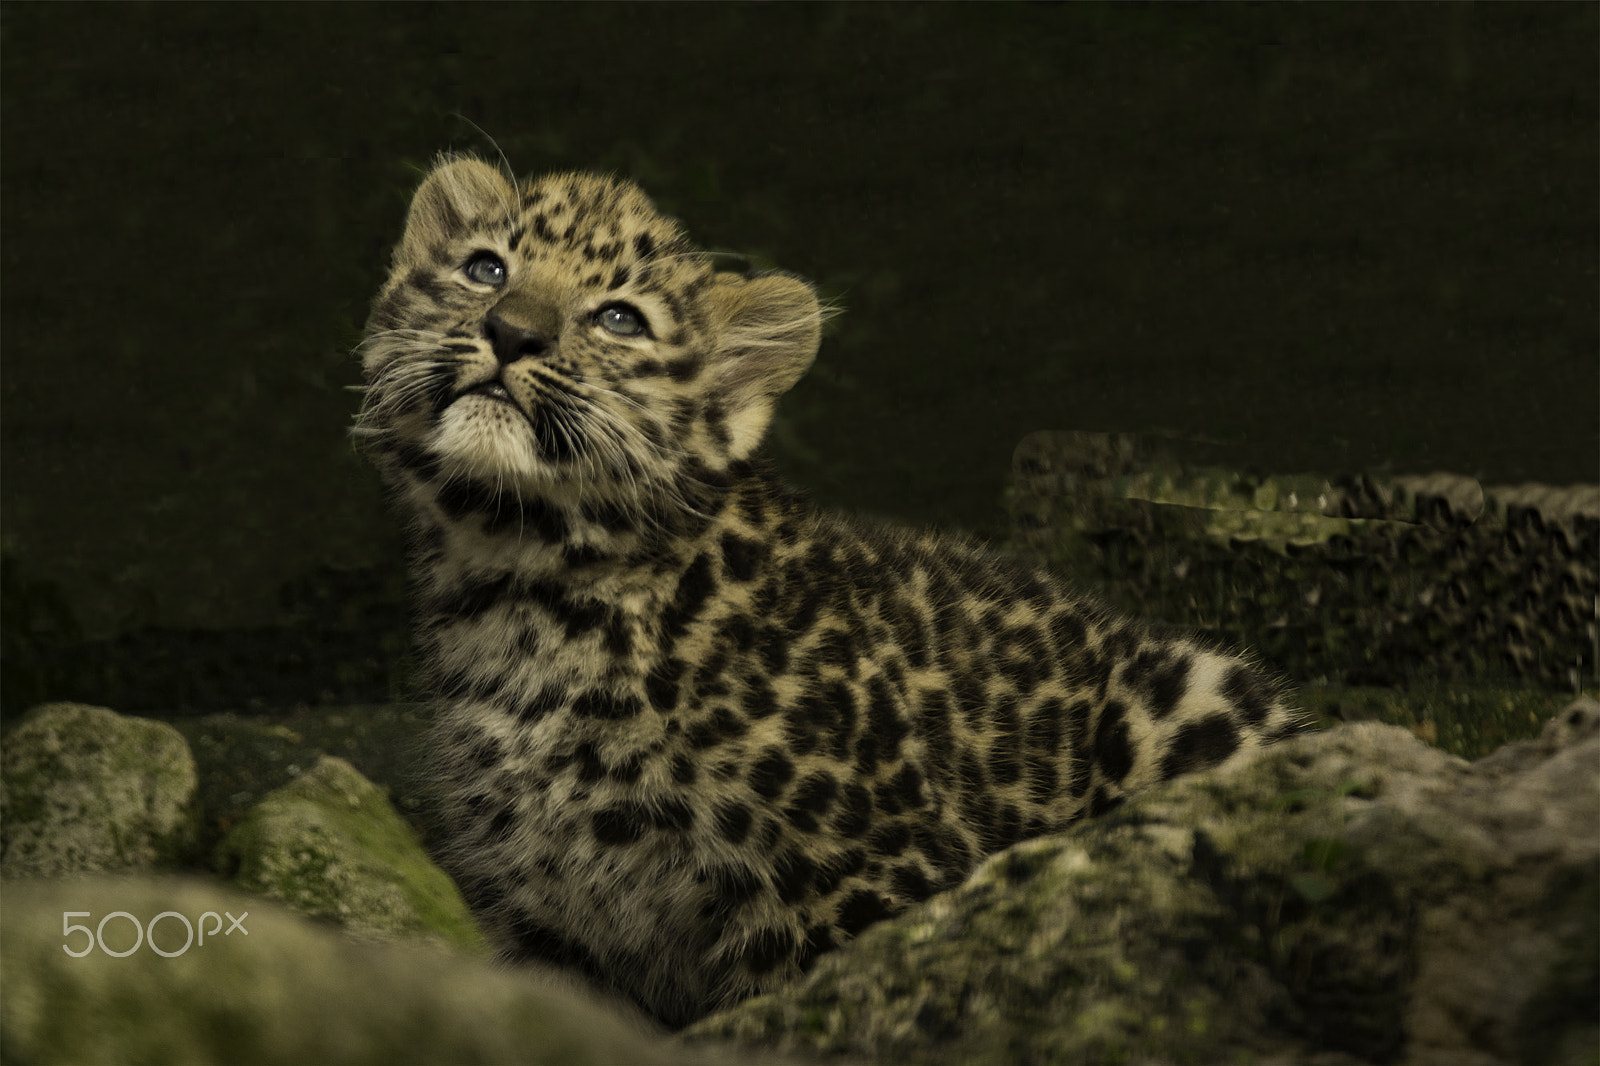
column 85, row 789
column 329, row 845
column 1359, row 580
column 284, row 990
column 1350, row 897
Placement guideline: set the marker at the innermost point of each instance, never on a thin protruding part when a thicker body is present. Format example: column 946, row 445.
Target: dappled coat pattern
column 696, row 732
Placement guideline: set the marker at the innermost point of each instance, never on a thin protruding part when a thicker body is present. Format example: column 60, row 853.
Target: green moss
column 86, row 789
column 330, row 845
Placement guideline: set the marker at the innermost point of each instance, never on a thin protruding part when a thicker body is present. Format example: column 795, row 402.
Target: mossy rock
column 1349, row 897
column 330, row 845
column 287, row 991
column 84, row 789
column 1356, row 580
column 244, row 757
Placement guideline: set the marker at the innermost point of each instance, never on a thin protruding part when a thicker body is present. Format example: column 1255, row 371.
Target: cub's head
column 560, row 339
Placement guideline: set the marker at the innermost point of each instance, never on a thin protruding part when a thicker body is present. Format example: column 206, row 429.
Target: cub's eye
column 622, row 320
column 485, row 268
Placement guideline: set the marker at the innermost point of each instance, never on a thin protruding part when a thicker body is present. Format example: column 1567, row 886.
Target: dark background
column 1338, row 238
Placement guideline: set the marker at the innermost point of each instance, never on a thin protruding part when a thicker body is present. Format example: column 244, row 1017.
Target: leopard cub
column 694, row 731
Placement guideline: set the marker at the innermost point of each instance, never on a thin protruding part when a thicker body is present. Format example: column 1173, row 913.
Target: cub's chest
column 531, row 629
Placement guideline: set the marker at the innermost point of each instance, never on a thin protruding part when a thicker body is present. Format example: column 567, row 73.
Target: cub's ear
column 767, row 328
column 455, row 192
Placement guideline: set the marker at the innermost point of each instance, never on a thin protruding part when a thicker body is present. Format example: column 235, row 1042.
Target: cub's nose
column 512, row 342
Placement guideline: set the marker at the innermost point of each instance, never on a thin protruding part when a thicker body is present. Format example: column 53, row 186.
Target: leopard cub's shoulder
column 695, row 732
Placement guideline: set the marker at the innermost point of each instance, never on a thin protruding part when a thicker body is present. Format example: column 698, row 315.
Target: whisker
column 615, row 445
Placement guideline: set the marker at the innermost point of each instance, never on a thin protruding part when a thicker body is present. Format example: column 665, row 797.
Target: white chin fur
column 474, row 438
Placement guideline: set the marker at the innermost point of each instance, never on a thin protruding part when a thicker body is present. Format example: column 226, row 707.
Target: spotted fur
column 696, row 732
